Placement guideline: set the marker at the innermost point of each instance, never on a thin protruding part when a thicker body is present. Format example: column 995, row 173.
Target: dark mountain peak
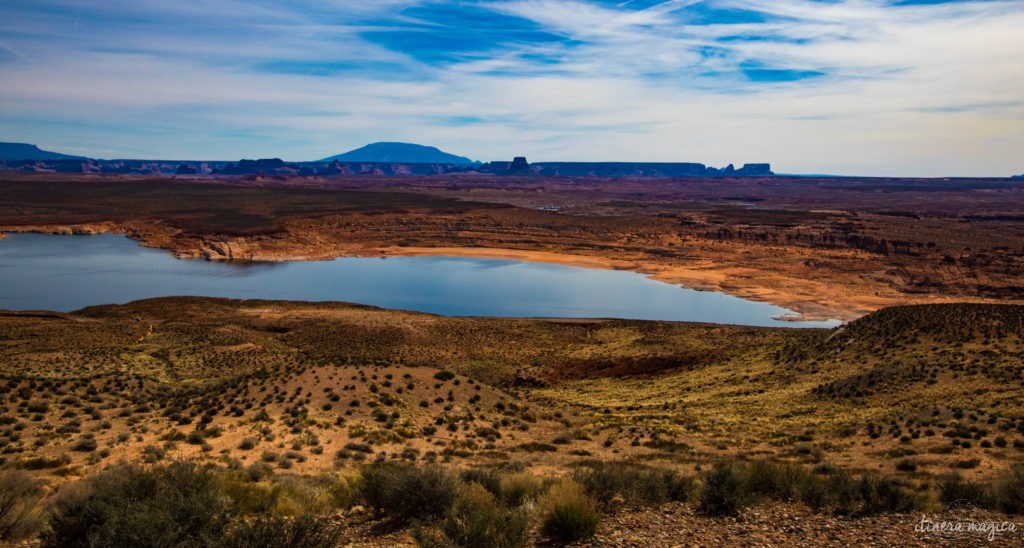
column 408, row 153
column 26, row 151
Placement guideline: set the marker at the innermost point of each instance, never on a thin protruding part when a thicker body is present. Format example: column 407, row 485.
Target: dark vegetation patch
column 634, row 365
column 197, row 208
column 730, row 487
column 184, row 503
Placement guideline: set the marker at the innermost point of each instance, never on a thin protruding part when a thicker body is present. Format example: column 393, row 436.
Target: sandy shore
column 835, row 303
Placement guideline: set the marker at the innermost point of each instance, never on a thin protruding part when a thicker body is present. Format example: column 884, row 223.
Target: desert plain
column 660, row 433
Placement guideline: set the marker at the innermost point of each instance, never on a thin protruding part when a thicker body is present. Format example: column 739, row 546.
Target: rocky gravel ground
column 795, row 526
column 789, row 525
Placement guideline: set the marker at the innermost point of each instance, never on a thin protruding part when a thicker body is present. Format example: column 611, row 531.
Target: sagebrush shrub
column 610, row 481
column 1009, row 492
column 127, row 505
column 276, row 532
column 404, row 492
column 20, row 506
column 723, row 492
column 478, row 519
column 568, row 514
column 517, row 488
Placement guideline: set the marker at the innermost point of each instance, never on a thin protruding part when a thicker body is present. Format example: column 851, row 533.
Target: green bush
column 186, row 504
column 476, row 519
column 404, row 492
column 489, row 478
column 276, row 532
column 829, row 488
column 880, row 495
column 840, row 493
column 954, row 489
column 510, row 488
column 609, row 481
column 723, row 492
column 538, row 447
column 517, row 488
column 171, row 505
column 1005, row 494
column 1009, row 492
column 568, row 514
column 20, row 506
column 815, row 494
column 41, row 463
column 728, row 488
column 775, row 480
column 300, row 495
column 247, row 496
column 906, row 465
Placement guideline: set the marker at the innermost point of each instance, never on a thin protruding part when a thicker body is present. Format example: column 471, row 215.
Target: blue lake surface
column 64, row 273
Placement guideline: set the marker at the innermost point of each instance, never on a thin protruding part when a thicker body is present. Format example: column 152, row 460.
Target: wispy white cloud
column 854, row 86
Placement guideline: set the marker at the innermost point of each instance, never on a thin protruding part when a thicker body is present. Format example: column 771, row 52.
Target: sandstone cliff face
column 519, row 166
column 121, row 167
column 276, row 166
column 755, row 170
column 268, row 166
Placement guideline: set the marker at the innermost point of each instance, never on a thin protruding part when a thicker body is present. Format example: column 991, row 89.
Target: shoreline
column 703, row 275
column 685, row 278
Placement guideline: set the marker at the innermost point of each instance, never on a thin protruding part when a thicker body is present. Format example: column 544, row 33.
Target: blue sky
column 868, row 87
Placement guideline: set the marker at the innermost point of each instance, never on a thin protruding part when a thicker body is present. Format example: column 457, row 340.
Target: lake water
column 64, row 273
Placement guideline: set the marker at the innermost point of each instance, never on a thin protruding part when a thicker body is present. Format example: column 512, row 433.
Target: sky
column 854, row 87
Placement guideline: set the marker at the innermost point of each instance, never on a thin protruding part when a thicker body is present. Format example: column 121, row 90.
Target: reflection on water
column 65, row 273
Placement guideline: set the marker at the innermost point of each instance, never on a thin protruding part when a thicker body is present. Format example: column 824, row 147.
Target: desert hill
column 400, row 153
column 288, row 409
column 682, row 393
column 25, row 151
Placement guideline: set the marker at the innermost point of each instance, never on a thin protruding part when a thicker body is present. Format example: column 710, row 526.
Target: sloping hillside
column 399, row 152
column 25, row 151
column 308, row 382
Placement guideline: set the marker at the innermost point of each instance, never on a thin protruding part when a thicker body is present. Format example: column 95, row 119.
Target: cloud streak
column 851, row 86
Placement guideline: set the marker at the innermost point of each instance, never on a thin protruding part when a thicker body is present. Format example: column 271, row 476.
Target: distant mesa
column 377, row 159
column 25, row 151
column 755, row 170
column 274, row 166
column 519, row 166
column 404, row 153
